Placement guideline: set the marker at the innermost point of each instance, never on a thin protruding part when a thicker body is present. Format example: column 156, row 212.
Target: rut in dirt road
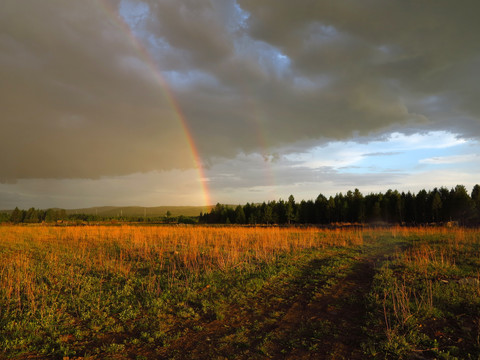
column 330, row 325
column 320, row 314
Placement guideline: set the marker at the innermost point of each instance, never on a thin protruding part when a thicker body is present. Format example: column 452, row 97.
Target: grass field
column 238, row 292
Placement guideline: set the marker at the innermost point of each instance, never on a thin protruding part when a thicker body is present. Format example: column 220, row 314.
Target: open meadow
column 199, row 292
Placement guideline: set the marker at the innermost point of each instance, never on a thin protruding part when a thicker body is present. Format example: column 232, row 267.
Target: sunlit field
column 163, row 291
column 429, row 295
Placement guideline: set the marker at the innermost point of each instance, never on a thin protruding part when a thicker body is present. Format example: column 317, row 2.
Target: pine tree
column 17, row 216
column 476, row 200
column 291, row 209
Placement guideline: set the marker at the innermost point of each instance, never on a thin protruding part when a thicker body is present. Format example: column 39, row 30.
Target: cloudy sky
column 168, row 102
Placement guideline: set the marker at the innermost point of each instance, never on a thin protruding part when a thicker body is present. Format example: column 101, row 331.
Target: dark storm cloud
column 327, row 70
column 383, row 53
column 80, row 99
column 77, row 100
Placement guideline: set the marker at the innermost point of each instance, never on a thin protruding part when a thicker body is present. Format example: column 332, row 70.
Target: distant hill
column 108, row 211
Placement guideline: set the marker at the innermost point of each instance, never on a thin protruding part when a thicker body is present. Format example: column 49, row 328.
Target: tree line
column 439, row 205
column 32, row 216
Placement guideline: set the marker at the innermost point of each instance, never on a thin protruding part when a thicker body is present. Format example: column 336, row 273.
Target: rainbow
column 112, row 13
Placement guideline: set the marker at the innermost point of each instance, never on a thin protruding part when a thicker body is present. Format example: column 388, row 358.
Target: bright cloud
column 453, row 159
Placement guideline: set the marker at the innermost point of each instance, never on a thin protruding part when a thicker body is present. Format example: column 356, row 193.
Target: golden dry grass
column 28, row 253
